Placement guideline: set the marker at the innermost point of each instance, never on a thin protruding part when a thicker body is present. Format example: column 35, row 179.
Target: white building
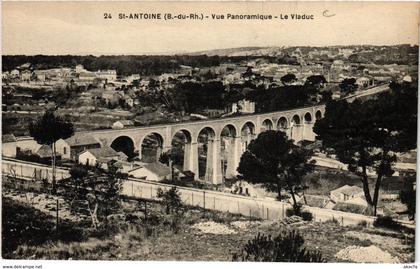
column 71, row 147
column 348, row 194
column 151, row 171
column 110, row 75
column 122, row 124
column 98, row 155
column 9, row 145
column 243, row 106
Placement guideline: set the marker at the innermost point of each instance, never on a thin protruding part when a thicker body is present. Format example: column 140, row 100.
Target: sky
column 80, row 28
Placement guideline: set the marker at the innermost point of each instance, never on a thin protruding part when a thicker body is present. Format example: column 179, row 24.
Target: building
column 122, row 124
column 45, row 153
column 70, row 148
column 102, row 156
column 9, row 147
column 26, row 75
column 364, row 82
column 79, row 68
column 243, row 106
column 151, row 171
column 14, row 73
column 347, row 194
column 110, row 75
column 87, row 77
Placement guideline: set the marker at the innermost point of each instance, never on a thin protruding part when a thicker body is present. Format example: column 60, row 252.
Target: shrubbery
column 351, row 208
column 386, row 222
column 297, row 211
column 286, row 247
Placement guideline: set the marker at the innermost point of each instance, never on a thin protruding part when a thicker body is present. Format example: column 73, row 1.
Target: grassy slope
column 135, row 241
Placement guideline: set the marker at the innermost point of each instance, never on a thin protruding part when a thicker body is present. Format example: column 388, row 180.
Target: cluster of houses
column 86, row 150
column 78, row 75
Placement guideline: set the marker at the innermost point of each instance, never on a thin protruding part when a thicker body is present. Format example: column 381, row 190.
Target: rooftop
column 158, row 168
column 81, row 140
column 8, row 138
column 103, row 152
column 349, row 190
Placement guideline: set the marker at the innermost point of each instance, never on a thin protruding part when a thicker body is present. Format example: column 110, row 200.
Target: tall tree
column 47, row 130
column 366, row 135
column 348, row 85
column 273, row 160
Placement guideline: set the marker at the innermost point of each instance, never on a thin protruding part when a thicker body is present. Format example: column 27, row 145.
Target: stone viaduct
column 237, row 134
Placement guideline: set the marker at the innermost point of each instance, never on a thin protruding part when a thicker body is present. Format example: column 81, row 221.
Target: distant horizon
column 203, row 52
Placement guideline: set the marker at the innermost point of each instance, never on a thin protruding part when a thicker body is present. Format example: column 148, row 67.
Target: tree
column 348, row 85
column 288, row 78
column 171, row 199
column 99, row 188
column 408, row 195
column 316, row 81
column 47, row 130
column 366, row 135
column 273, row 160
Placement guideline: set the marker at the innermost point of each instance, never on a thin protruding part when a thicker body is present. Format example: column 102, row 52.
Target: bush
column 362, row 224
column 351, row 208
column 386, row 222
column 306, row 216
column 171, row 199
column 286, row 247
column 297, row 211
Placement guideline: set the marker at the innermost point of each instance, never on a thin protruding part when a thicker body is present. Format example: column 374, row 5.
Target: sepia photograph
column 205, row 131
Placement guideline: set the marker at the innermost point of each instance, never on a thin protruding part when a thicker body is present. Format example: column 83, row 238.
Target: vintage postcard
column 209, row 131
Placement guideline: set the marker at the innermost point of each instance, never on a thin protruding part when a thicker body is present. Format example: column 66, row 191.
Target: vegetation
column 47, row 130
column 171, row 199
column 366, row 135
column 101, row 190
column 348, row 85
column 288, row 79
column 23, row 225
column 286, row 247
column 408, row 195
column 387, row 222
column 297, row 211
column 273, row 160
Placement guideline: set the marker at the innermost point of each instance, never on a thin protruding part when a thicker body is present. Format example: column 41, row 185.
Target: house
column 122, row 124
column 45, row 153
column 9, row 147
column 363, row 82
column 407, row 78
column 26, row 75
column 243, row 106
column 98, row 155
column 14, row 73
column 87, row 76
column 71, row 147
column 110, row 75
column 151, row 171
column 346, row 193
column 79, row 68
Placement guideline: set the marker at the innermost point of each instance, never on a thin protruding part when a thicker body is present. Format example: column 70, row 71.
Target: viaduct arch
column 229, row 136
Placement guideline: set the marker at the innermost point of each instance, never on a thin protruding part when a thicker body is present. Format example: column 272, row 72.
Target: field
column 194, row 235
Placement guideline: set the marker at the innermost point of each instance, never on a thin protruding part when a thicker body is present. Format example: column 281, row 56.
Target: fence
column 246, row 206
column 213, row 200
column 31, row 171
